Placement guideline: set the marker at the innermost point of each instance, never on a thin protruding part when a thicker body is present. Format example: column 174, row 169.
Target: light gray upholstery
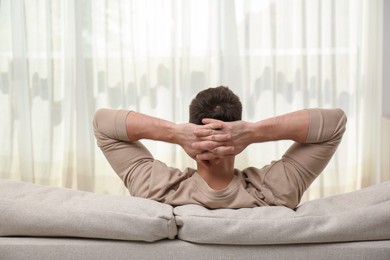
column 34, row 210
column 355, row 216
column 34, row 248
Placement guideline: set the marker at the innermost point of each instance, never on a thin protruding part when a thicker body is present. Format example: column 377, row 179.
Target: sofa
column 42, row 222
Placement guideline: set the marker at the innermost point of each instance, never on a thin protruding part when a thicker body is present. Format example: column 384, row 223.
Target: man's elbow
column 342, row 122
column 98, row 121
column 102, row 125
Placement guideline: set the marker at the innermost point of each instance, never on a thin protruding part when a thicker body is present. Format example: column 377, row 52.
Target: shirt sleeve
column 143, row 175
column 130, row 160
column 305, row 161
column 284, row 181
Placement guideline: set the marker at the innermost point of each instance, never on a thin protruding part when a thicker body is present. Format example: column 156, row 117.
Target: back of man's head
column 218, row 103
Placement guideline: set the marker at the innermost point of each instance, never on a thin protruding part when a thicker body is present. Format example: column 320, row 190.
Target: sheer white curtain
column 62, row 60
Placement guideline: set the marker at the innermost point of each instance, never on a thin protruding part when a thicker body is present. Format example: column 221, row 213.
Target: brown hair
column 218, row 103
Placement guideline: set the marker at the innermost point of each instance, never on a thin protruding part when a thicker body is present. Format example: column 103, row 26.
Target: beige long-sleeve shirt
column 282, row 182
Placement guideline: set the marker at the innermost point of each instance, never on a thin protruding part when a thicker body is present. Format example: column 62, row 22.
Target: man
column 213, row 137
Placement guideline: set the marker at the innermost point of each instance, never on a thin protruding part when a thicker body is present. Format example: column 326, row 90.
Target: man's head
column 218, row 103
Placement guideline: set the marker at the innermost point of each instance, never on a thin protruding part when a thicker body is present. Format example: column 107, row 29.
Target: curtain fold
column 370, row 95
column 21, row 93
column 62, row 60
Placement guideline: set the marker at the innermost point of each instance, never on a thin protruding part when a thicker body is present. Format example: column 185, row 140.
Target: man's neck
column 217, row 173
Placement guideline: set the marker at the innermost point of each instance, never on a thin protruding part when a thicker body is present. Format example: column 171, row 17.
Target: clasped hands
column 214, row 139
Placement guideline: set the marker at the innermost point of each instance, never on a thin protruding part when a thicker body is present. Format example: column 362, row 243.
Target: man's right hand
column 219, row 139
column 203, row 142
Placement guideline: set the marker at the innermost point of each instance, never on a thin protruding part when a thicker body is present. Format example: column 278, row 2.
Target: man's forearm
column 292, row 126
column 140, row 126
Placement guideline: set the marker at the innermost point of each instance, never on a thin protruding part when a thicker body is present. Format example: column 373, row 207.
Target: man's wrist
column 175, row 134
column 260, row 131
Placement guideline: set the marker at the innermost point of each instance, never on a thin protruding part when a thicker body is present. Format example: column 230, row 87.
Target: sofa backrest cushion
column 28, row 209
column 355, row 216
